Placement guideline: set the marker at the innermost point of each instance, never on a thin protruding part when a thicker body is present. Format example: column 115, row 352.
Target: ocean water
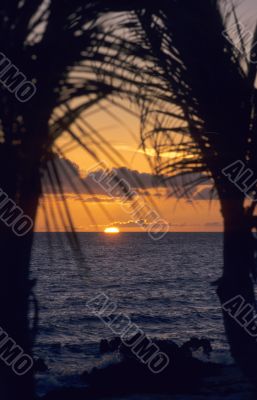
column 164, row 287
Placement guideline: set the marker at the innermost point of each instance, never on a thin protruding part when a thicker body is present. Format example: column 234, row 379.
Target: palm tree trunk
column 236, row 281
column 14, row 299
column 15, row 285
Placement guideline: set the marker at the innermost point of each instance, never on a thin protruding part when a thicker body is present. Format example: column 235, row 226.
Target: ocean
column 164, row 287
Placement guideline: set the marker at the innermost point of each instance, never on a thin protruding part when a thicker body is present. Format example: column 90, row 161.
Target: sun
column 112, row 229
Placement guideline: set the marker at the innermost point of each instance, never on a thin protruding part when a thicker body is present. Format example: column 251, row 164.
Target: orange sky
column 124, row 137
column 183, row 216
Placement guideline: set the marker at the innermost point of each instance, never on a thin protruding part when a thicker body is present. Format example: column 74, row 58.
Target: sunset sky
column 182, row 215
column 98, row 210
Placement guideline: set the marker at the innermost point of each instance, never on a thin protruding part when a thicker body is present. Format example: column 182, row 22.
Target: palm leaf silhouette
column 74, row 58
column 203, row 111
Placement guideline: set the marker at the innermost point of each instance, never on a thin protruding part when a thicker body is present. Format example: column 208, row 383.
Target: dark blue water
column 164, row 287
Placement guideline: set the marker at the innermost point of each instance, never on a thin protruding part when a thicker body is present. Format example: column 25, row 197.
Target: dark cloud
column 100, row 182
column 68, row 173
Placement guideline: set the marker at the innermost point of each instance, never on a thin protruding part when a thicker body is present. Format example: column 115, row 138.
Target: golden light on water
column 112, row 229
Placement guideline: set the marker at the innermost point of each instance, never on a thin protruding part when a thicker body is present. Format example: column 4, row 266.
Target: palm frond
column 203, row 100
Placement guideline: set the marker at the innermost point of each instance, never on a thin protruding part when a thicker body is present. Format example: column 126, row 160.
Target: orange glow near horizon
column 94, row 212
column 112, row 230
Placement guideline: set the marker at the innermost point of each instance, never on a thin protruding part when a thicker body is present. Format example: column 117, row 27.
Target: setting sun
column 112, row 230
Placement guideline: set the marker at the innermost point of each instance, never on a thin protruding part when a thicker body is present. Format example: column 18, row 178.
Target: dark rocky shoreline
column 186, row 375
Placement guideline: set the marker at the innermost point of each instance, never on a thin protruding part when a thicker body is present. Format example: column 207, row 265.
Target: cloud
column 215, row 223
column 88, row 198
column 206, row 193
column 100, row 179
column 128, row 224
column 68, row 173
column 100, row 182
